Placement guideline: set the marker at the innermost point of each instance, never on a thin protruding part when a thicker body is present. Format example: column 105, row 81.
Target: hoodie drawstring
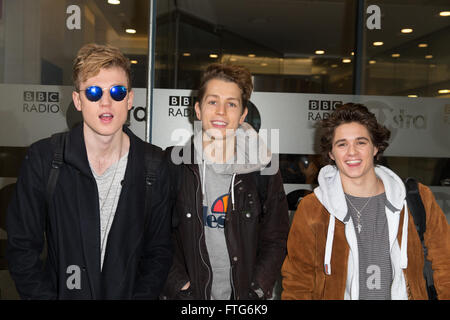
column 329, row 245
column 204, row 183
column 203, row 179
column 404, row 247
column 232, row 190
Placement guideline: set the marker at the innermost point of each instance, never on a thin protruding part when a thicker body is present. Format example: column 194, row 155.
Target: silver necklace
column 358, row 212
column 110, row 185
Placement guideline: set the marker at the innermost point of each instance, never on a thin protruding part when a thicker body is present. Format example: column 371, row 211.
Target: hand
column 256, row 293
column 186, row 292
column 186, row 286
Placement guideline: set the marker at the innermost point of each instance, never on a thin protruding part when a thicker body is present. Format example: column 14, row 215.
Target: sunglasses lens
column 94, row 93
column 118, row 93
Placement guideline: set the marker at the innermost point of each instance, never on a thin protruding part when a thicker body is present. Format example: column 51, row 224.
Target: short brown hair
column 230, row 73
column 352, row 112
column 93, row 57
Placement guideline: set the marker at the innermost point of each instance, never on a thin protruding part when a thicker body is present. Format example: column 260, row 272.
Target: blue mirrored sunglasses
column 94, row 93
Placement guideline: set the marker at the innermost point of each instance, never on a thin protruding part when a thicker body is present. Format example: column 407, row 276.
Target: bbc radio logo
column 41, row 101
column 323, row 105
column 181, row 106
column 41, row 96
column 181, row 101
column 321, row 109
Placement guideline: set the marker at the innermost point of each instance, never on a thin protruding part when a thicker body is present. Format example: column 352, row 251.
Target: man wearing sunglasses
column 105, row 240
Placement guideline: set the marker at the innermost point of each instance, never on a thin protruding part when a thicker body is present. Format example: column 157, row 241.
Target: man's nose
column 106, row 99
column 221, row 109
column 351, row 149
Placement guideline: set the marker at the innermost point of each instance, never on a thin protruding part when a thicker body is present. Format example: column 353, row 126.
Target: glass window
column 272, row 38
column 392, row 48
column 406, row 53
column 409, row 54
column 39, row 39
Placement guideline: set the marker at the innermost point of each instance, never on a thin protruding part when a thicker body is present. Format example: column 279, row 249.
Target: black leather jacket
column 256, row 236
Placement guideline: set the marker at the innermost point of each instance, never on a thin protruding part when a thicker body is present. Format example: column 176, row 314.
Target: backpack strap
column 175, row 177
column 418, row 213
column 58, row 141
column 153, row 158
column 174, row 173
column 415, row 203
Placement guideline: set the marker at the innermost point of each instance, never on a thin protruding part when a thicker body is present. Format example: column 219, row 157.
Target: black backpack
column 153, row 158
column 417, row 210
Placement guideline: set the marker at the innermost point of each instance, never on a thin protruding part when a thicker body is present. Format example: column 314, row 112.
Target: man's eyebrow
column 339, row 141
column 343, row 140
column 217, row 96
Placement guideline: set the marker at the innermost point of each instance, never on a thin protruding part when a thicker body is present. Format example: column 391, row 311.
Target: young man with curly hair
column 354, row 237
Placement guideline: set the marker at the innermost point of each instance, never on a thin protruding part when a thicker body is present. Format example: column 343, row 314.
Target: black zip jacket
column 256, row 235
column 137, row 259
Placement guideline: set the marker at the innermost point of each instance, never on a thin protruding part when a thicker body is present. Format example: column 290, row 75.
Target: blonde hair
column 93, row 57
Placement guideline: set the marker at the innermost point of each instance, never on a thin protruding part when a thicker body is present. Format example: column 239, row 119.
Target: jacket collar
column 75, row 151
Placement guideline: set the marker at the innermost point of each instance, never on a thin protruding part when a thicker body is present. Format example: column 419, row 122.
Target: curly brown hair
column 352, row 112
column 230, row 73
column 93, row 57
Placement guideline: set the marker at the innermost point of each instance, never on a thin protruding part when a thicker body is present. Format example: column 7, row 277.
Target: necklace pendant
column 359, row 228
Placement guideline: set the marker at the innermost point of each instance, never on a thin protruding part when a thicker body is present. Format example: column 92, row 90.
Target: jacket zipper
column 201, row 236
column 233, row 289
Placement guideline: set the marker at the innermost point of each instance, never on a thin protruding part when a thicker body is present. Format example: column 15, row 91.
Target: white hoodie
column 331, row 195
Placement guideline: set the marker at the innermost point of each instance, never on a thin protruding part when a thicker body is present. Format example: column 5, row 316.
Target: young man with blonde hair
column 231, row 220
column 105, row 240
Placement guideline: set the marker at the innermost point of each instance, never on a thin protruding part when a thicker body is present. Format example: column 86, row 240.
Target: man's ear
column 130, row 100
column 76, row 100
column 198, row 111
column 244, row 114
column 331, row 156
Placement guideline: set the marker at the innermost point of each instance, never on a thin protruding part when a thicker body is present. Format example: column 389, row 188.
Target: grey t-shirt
column 375, row 270
column 109, row 188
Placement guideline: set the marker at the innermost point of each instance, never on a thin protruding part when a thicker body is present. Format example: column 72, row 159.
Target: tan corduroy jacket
column 303, row 269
